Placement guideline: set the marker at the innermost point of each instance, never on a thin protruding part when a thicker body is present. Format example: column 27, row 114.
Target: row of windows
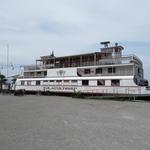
column 29, row 83
column 100, row 70
column 101, row 82
column 46, row 81
column 84, row 82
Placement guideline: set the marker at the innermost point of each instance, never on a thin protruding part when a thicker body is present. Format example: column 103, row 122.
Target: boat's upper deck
column 107, row 56
column 108, row 61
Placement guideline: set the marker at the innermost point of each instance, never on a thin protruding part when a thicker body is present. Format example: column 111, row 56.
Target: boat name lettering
column 60, row 88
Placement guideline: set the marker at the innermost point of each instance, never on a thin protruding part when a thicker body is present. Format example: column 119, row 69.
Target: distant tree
column 2, row 79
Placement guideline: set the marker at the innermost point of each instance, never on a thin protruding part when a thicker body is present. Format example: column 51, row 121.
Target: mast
column 7, row 59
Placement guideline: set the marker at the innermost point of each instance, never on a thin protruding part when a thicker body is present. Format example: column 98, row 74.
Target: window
column 51, row 82
column 22, row 82
column 32, row 74
column 45, row 82
column 28, row 82
column 115, row 82
column 135, row 81
column 74, row 81
column 111, row 70
column 100, row 82
column 87, row 71
column 85, row 82
column 58, row 82
column 66, row 81
column 45, row 73
column 38, row 74
column 99, row 71
column 38, row 82
column 139, row 72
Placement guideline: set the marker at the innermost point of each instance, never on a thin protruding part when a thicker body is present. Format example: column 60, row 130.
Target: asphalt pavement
column 65, row 123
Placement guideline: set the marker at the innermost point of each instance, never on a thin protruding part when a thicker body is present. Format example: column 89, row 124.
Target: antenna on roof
column 105, row 43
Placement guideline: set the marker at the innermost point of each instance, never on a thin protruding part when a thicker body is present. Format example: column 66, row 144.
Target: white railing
column 110, row 61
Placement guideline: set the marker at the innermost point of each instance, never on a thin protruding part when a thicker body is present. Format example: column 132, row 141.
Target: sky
column 33, row 28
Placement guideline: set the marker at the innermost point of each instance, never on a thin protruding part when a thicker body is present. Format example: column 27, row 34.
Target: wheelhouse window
column 85, row 82
column 38, row 82
column 99, row 71
column 100, row 82
column 111, row 70
column 87, row 71
column 115, row 82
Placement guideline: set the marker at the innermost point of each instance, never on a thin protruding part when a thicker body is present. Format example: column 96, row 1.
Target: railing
column 38, row 67
column 35, row 76
column 122, row 60
column 121, row 73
